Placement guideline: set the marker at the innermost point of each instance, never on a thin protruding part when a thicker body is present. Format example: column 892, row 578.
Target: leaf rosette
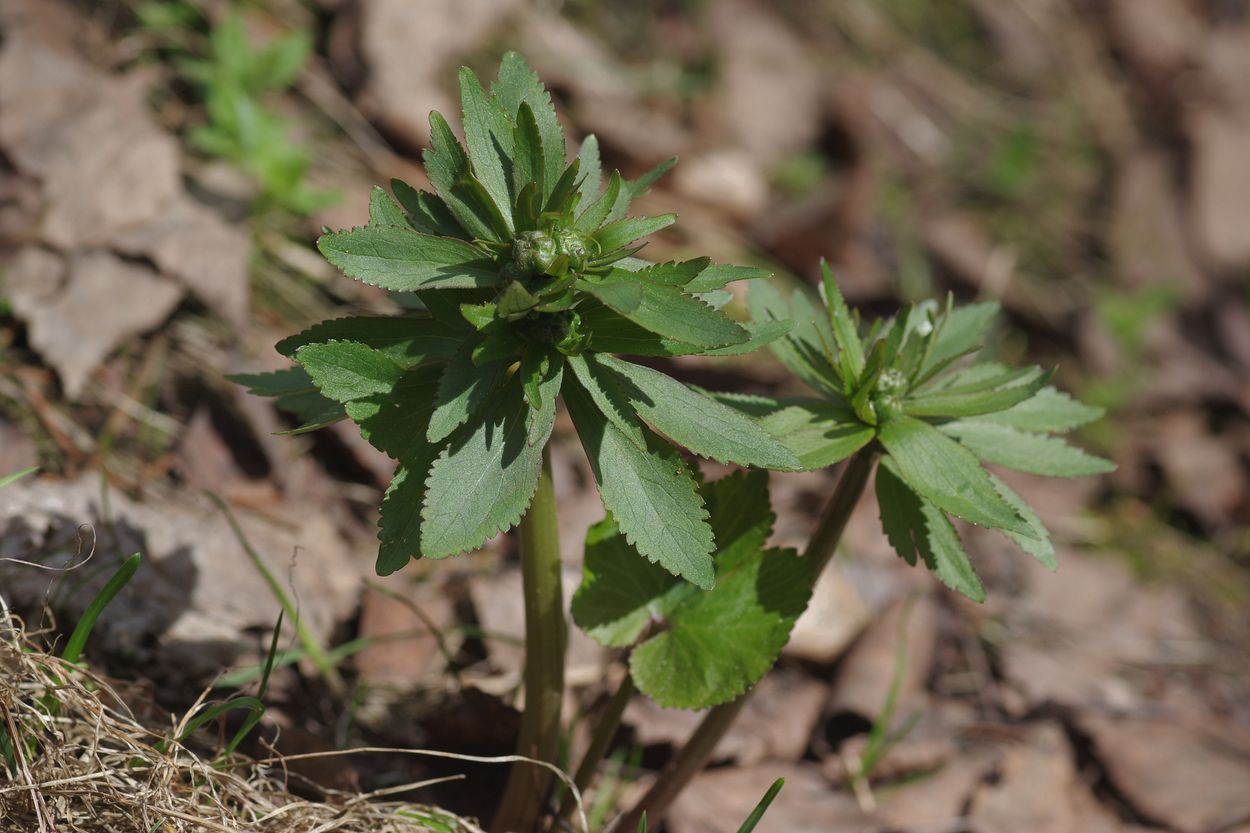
column 934, row 418
column 520, row 275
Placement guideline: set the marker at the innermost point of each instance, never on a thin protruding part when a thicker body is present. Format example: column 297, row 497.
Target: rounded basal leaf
column 698, row 648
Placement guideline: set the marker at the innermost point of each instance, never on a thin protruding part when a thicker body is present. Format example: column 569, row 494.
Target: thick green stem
column 605, row 730
column 546, row 634
column 692, row 757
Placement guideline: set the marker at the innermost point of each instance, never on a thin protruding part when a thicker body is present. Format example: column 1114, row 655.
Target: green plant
column 235, row 78
column 900, row 396
column 522, row 286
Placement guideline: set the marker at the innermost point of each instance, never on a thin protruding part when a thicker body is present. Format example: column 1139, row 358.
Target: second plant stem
column 546, row 634
column 698, row 749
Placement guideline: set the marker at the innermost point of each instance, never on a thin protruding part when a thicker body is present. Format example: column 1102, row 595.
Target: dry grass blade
column 90, row 765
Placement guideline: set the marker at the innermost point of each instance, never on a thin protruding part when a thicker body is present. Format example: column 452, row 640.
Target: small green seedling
column 236, row 77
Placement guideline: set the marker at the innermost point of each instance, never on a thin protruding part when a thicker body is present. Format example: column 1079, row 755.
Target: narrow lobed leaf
column 405, row 260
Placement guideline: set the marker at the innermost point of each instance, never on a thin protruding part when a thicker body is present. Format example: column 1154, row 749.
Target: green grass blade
column 758, row 813
column 78, row 639
column 17, row 475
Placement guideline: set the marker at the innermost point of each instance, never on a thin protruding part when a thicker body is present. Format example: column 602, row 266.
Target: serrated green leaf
column 711, row 646
column 967, row 403
column 641, row 185
column 1049, row 411
column 623, row 296
column 427, row 213
column 395, row 422
column 596, row 213
column 820, row 433
column 406, row 260
column 846, row 336
column 621, row 233
column 447, row 166
column 484, row 480
column 528, row 146
column 488, row 132
column 651, row 493
column 691, row 419
column 383, row 211
column 720, row 275
column 518, row 83
column 541, row 374
column 405, row 340
column 275, row 383
column 609, row 399
column 947, row 474
column 347, row 371
column 759, row 334
column 914, row 526
column 668, row 312
column 673, row 273
column 802, row 350
column 399, row 523
column 959, row 332
column 463, row 388
column 1023, row 451
column 1038, row 546
column 591, row 170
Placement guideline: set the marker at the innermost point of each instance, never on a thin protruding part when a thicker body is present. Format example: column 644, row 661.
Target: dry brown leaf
column 1147, row 233
column 1191, row 780
column 718, row 801
column 1220, row 185
column 867, row 673
column 62, row 306
column 197, row 601
column 409, row 48
column 1038, row 789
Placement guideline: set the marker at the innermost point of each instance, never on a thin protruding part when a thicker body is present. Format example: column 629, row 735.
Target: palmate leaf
column 481, row 484
column 820, row 433
column 707, row 647
column 650, row 492
column 1023, row 451
column 915, row 527
column 405, row 260
column 946, row 474
column 690, row 418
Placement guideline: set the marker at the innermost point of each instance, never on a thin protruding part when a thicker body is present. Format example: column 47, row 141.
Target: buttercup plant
column 521, row 288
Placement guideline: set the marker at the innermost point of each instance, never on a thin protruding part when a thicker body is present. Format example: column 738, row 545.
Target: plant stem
column 546, row 634
column 692, row 757
column 605, row 730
